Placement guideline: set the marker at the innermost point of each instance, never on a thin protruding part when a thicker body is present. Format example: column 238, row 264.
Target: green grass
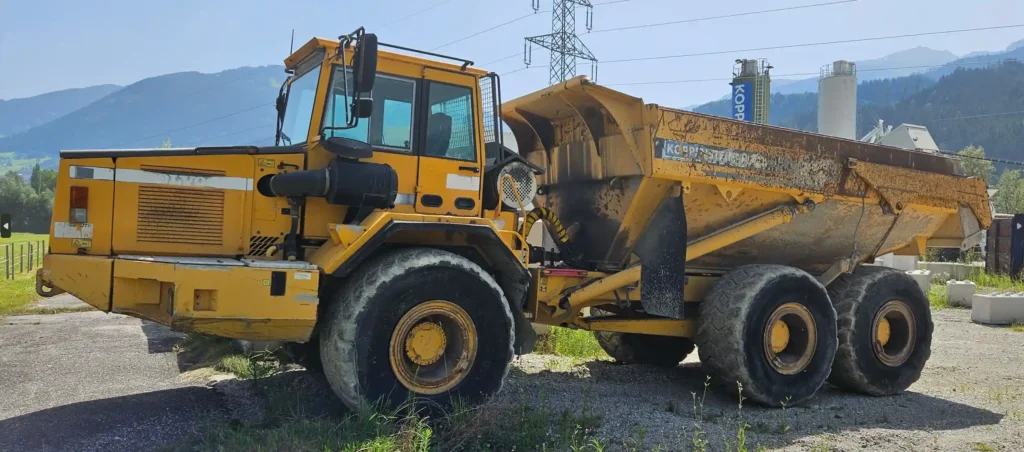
column 1017, row 327
column 998, row 282
column 937, row 296
column 255, row 366
column 19, row 237
column 17, row 295
column 570, row 343
column 285, row 426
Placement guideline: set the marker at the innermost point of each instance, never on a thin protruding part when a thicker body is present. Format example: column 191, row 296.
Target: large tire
column 897, row 362
column 372, row 310
column 632, row 348
column 736, row 333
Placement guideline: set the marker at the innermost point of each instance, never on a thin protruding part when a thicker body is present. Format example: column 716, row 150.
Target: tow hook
column 43, row 289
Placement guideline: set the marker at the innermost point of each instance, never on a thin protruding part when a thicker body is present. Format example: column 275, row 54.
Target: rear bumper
column 223, row 297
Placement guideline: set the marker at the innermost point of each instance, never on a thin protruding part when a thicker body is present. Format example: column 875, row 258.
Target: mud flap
column 662, row 252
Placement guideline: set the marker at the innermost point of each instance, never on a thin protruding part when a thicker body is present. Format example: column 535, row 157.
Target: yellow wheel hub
column 882, row 332
column 790, row 337
column 780, row 336
column 424, row 345
column 433, row 347
column 895, row 333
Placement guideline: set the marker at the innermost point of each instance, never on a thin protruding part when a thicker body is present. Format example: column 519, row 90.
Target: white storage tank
column 837, row 100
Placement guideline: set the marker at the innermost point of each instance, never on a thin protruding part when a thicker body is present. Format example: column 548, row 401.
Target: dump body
column 613, row 162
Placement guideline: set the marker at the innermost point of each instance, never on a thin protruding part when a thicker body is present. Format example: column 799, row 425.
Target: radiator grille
column 259, row 244
column 180, row 215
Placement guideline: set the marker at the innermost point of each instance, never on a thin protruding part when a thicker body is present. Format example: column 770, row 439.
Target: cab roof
column 310, row 47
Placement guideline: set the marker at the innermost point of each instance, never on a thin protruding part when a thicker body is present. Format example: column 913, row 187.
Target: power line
column 502, row 59
column 987, row 159
column 727, row 16
column 195, row 125
column 413, row 14
column 804, row 74
column 811, row 44
column 980, row 116
column 489, row 29
column 749, row 13
column 512, row 22
column 563, row 43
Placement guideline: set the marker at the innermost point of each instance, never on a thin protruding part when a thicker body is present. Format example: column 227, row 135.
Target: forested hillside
column 968, row 106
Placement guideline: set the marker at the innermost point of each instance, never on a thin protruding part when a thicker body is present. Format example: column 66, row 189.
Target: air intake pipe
column 342, row 182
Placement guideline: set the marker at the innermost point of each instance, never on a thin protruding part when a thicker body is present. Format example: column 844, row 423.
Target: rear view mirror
column 362, row 108
column 364, row 63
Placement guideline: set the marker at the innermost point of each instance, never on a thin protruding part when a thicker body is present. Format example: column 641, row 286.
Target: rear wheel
column 417, row 323
column 770, row 329
column 885, row 331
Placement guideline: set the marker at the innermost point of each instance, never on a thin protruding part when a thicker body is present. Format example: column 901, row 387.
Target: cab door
column 451, row 163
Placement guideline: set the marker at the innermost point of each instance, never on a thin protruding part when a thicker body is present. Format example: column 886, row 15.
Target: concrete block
column 965, row 271
column 941, row 271
column 998, row 308
column 960, row 293
column 904, row 263
column 923, row 279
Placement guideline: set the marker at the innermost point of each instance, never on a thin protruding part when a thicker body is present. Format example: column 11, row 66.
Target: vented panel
column 180, row 215
column 258, row 244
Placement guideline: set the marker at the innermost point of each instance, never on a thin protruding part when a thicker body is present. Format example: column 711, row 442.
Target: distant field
column 19, row 237
column 16, row 164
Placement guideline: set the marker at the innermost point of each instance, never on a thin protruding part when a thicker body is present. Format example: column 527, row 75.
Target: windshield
column 389, row 126
column 299, row 110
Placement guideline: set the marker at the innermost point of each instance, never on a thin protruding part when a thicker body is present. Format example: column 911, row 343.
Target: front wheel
column 417, row 323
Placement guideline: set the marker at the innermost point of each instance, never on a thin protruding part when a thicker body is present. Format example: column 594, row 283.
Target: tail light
column 79, row 204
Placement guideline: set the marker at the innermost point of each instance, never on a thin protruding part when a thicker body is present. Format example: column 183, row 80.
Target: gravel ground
column 92, row 381
column 970, row 396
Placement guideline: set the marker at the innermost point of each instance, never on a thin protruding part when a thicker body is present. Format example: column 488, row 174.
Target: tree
column 1009, row 197
column 166, row 144
column 30, row 209
column 34, row 180
column 43, row 179
column 972, row 157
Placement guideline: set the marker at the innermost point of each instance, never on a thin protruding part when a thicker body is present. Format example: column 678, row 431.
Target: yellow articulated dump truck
column 386, row 231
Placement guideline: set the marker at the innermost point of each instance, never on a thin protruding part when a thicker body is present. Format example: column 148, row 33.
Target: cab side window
column 450, row 122
column 391, row 125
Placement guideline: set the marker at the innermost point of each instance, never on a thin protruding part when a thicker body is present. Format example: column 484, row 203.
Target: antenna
column 291, row 46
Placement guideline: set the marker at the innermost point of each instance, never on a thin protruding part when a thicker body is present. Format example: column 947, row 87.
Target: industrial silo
column 837, row 100
column 751, row 90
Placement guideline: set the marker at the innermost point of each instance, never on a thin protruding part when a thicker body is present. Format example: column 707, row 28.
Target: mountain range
column 19, row 115
column 236, row 106
column 188, row 109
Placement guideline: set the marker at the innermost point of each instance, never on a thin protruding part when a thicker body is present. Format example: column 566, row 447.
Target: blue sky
column 57, row 44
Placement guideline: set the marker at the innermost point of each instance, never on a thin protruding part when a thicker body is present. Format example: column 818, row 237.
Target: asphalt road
column 94, row 381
